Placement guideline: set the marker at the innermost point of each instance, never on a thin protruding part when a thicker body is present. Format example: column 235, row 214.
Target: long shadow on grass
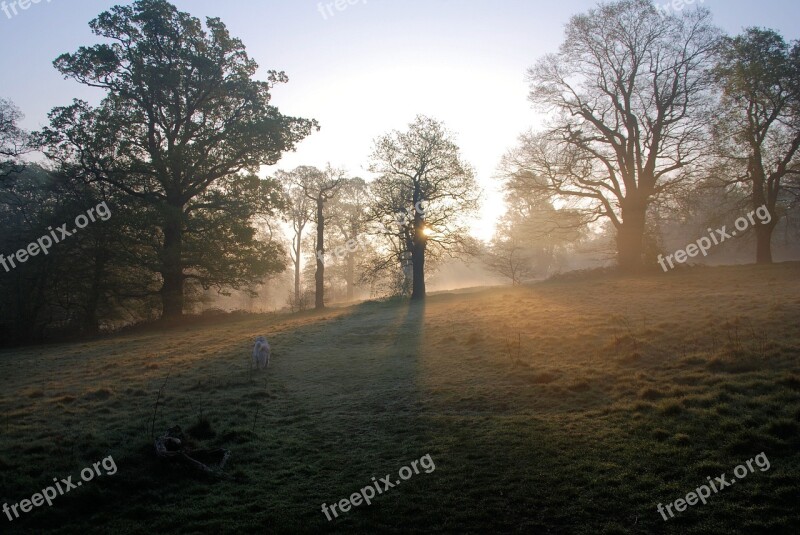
column 355, row 410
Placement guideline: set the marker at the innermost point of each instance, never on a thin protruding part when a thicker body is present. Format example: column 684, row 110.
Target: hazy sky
column 363, row 71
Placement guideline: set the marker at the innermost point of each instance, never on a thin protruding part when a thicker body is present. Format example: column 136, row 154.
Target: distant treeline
column 659, row 127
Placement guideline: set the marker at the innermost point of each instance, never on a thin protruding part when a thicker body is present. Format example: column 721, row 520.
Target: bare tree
column 509, row 257
column 298, row 212
column 350, row 216
column 422, row 175
column 627, row 92
column 318, row 187
column 532, row 232
column 14, row 142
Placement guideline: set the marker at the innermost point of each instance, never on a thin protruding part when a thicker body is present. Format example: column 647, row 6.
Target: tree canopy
column 626, row 94
column 421, row 173
column 182, row 124
column 757, row 126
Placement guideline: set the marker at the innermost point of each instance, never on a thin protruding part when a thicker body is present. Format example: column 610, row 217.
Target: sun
column 427, row 231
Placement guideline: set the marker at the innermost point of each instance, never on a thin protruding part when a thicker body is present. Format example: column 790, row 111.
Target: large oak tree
column 422, row 175
column 182, row 119
column 757, row 127
column 626, row 94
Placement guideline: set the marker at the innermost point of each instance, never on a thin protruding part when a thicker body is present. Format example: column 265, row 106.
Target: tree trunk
column 630, row 237
column 418, row 249
column 172, row 298
column 297, row 281
column 91, row 323
column 319, row 276
column 418, row 261
column 297, row 249
column 764, row 243
column 350, row 275
column 763, row 232
column 418, row 279
column 297, row 273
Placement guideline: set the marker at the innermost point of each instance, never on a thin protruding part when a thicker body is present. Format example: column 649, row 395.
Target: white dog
column 261, row 352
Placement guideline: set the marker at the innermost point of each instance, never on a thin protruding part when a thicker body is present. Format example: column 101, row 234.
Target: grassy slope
column 622, row 393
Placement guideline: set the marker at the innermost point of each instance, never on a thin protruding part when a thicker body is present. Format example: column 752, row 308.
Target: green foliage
column 87, row 281
column 757, row 124
column 181, row 130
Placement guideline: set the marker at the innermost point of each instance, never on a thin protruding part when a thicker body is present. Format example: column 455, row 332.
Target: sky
column 361, row 71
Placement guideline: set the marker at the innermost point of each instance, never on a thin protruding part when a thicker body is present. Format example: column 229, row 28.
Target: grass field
column 571, row 406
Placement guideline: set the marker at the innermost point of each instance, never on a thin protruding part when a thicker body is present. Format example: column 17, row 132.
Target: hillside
column 573, row 406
